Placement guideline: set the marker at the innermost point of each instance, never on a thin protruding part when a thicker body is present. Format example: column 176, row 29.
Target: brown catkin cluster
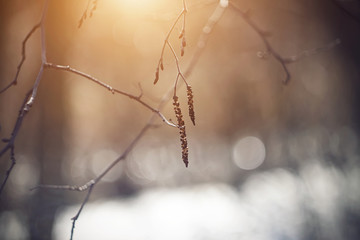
column 93, row 7
column 183, row 42
column 92, row 10
column 156, row 75
column 190, row 97
column 181, row 125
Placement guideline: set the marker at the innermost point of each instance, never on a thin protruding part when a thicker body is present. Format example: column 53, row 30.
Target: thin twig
column 176, row 83
column 89, row 186
column 23, row 57
column 283, row 61
column 268, row 46
column 182, row 33
column 94, row 181
column 127, row 151
column 169, row 33
column 346, row 11
column 110, row 88
column 43, row 59
column 307, row 53
column 10, row 142
column 177, row 64
column 65, row 187
column 7, row 175
column 160, row 63
column 28, row 101
column 75, row 218
column 141, row 91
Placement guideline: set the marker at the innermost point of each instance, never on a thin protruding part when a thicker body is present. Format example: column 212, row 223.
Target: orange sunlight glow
column 135, row 5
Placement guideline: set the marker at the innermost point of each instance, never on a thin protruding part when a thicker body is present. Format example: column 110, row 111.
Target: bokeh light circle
column 249, row 153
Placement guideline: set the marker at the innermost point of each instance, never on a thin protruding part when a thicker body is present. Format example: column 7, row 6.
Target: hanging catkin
column 181, row 125
column 190, row 97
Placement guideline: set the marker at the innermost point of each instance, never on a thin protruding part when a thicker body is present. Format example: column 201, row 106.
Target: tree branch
column 13, row 162
column 110, row 88
column 160, row 63
column 307, row 53
column 346, row 11
column 283, row 61
column 23, row 57
column 89, row 186
column 75, row 218
column 268, row 46
column 29, row 100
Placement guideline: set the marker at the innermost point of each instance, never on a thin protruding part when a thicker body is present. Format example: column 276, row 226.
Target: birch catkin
column 181, row 126
column 190, row 97
column 156, row 75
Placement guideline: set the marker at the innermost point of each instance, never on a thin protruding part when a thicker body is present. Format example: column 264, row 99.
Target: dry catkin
column 183, row 45
column 161, row 65
column 183, row 42
column 93, row 7
column 190, row 97
column 181, row 125
column 182, row 33
column 156, row 75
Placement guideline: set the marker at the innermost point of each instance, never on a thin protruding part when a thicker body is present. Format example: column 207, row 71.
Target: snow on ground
column 276, row 204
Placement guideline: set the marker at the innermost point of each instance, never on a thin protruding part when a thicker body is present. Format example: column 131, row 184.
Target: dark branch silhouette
column 272, row 52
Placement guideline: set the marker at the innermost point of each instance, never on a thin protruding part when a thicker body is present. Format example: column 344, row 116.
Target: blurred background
column 267, row 160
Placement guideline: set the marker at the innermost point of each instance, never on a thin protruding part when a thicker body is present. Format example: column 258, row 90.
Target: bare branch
column 311, row 52
column 89, row 186
column 75, row 218
column 283, row 61
column 176, row 83
column 10, row 142
column 141, row 91
column 66, row 187
column 263, row 36
column 160, row 63
column 110, row 88
column 43, row 59
column 182, row 33
column 127, row 150
column 23, row 57
column 94, row 181
column 177, row 64
column 28, row 101
column 8, row 172
column 346, row 11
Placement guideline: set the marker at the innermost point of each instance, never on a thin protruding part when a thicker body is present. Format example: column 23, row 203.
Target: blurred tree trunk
column 47, row 141
column 52, row 122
